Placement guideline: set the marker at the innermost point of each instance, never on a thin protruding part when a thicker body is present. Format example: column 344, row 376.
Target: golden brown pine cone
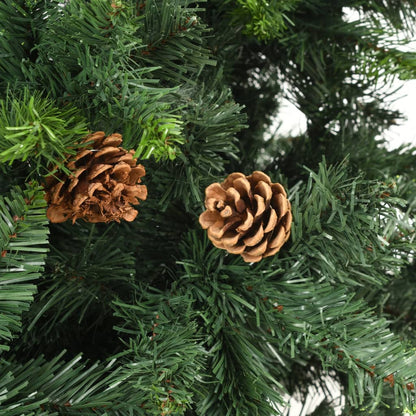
column 103, row 184
column 247, row 215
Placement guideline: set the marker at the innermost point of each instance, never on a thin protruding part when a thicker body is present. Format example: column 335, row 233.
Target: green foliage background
column 148, row 318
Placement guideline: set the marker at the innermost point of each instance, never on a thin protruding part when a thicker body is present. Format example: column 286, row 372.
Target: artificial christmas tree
column 146, row 316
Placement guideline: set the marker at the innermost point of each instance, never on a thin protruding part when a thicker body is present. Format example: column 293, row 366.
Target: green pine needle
column 34, row 130
column 23, row 239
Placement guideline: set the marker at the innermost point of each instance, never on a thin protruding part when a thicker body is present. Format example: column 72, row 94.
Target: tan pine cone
column 103, row 185
column 247, row 215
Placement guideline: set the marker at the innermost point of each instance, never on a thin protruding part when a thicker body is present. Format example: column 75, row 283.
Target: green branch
column 23, row 239
column 35, row 130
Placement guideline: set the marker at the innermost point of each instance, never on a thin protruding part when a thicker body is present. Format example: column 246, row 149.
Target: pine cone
column 103, row 184
column 247, row 215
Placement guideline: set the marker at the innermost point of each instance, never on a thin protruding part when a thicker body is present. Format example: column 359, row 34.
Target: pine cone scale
column 246, row 224
column 287, row 221
column 211, row 204
column 227, row 212
column 278, row 239
column 78, row 201
column 261, row 206
column 255, row 238
column 229, row 181
column 109, row 152
column 121, row 171
column 271, row 222
column 135, row 174
column 113, row 140
column 258, row 250
column 264, row 190
column 249, row 258
column 280, row 203
column 216, row 231
column 56, row 195
column 208, row 218
column 78, row 159
column 216, row 192
column 229, row 239
column 235, row 198
column 94, row 187
column 242, row 186
column 237, row 249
